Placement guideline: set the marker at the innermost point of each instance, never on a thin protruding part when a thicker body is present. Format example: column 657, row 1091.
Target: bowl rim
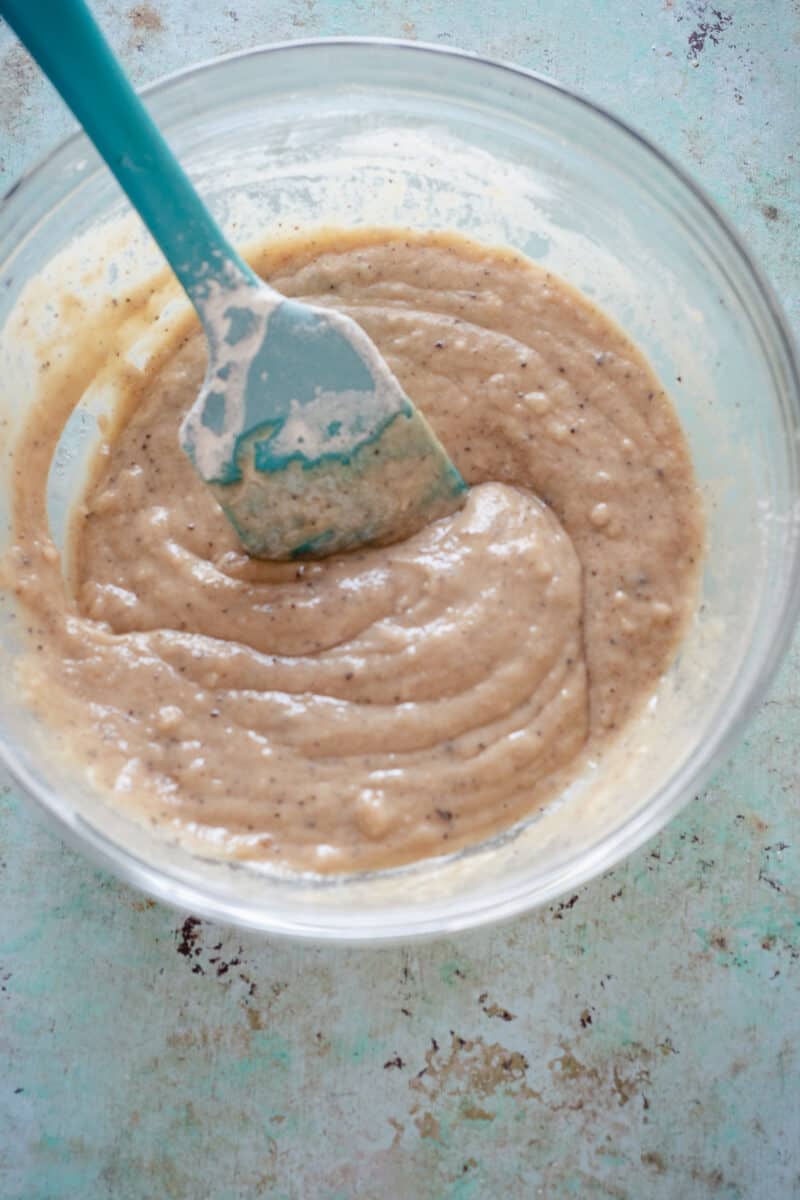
column 634, row 829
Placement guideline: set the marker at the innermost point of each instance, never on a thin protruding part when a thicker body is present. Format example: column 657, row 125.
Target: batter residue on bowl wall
column 396, row 703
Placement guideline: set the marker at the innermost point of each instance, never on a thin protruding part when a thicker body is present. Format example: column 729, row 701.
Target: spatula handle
column 66, row 42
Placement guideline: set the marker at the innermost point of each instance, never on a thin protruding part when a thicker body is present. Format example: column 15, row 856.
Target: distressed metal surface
column 638, row 1039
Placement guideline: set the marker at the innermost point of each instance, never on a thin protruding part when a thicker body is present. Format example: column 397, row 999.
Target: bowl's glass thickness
column 351, row 133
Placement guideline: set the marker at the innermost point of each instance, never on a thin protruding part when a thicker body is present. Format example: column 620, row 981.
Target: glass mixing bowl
column 355, row 132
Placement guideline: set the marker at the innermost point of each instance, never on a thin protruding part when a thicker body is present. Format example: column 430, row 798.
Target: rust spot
column 472, row 1071
column 651, row 1158
column 254, row 1019
column 471, row 1112
column 585, row 1085
column 144, row 18
column 187, row 946
column 712, row 1179
column 18, row 74
column 771, row 212
column 399, row 1129
column 707, row 30
column 428, row 1126
column 626, row 1087
column 568, row 1066
column 321, row 1044
column 190, row 1039
column 564, row 906
column 495, row 1010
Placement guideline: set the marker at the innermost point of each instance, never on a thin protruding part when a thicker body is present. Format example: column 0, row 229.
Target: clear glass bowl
column 358, row 132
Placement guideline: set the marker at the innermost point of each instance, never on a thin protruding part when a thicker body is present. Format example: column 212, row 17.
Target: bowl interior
column 355, row 134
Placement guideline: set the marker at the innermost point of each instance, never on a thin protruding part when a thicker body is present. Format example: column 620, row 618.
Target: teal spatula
column 300, row 429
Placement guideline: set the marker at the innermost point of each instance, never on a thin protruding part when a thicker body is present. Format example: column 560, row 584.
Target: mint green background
column 637, row 1040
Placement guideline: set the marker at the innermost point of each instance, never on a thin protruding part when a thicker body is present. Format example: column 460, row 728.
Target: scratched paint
column 635, row 1038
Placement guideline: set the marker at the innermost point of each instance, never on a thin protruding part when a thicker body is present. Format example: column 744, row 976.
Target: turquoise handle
column 66, row 42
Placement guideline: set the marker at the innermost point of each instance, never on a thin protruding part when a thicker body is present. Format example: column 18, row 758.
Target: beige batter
column 395, row 703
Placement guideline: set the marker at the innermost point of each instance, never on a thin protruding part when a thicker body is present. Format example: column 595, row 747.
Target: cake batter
column 395, row 703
